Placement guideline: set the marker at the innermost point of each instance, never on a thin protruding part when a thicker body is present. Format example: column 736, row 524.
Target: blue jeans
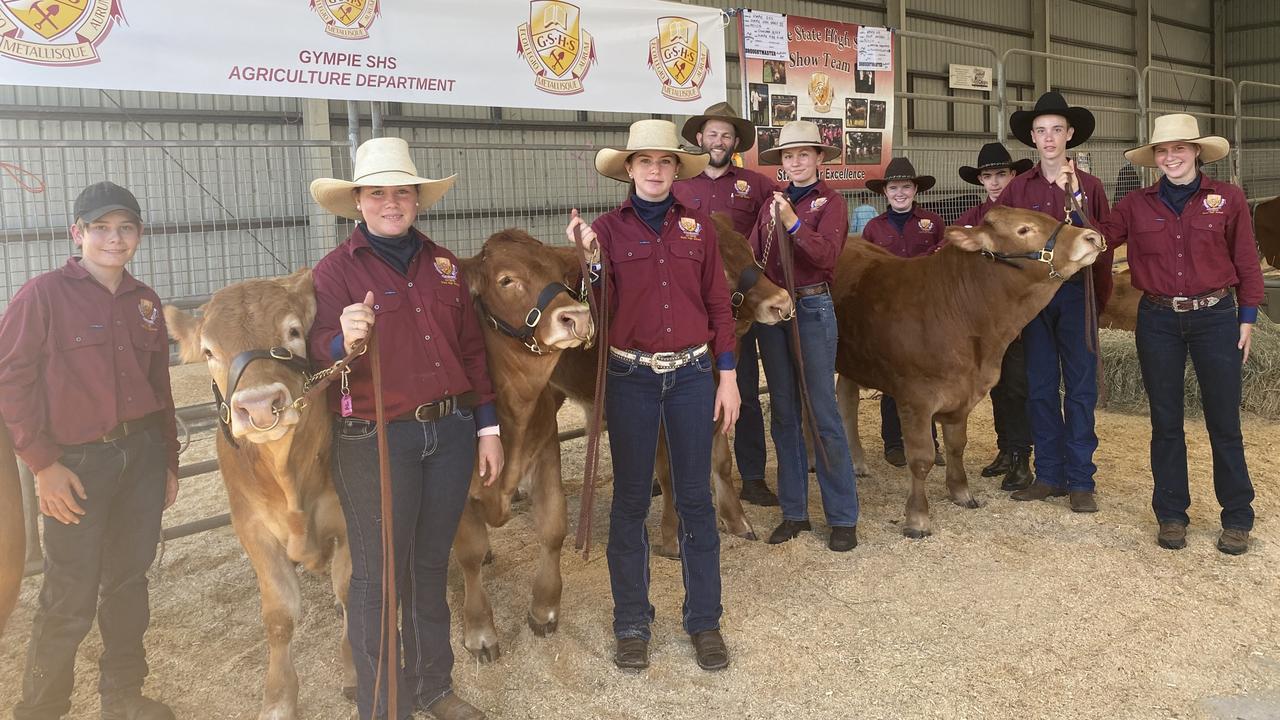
column 748, row 433
column 1210, row 336
column 97, row 568
column 816, row 315
column 637, row 401
column 891, row 424
column 1062, row 429
column 431, row 464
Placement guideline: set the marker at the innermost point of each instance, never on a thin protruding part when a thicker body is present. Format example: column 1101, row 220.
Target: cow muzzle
column 776, row 306
column 262, row 414
column 567, row 327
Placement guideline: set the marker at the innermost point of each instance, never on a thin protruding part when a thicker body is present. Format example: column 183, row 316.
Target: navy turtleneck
column 1176, row 196
column 899, row 219
column 652, row 213
column 795, row 193
column 397, row 251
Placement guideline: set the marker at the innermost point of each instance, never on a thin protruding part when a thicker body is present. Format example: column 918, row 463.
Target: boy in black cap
column 84, row 391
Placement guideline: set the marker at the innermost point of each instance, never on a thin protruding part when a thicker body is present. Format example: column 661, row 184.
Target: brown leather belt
column 1187, row 304
column 127, row 428
column 811, row 290
column 428, row 412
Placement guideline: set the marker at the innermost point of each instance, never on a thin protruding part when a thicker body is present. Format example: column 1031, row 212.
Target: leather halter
column 1044, row 255
column 238, row 365
column 747, row 279
column 525, row 334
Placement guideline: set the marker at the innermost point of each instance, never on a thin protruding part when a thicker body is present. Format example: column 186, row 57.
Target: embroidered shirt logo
column 691, row 228
column 817, row 204
column 742, row 188
column 150, row 314
column 1214, row 203
column 448, row 273
column 926, row 225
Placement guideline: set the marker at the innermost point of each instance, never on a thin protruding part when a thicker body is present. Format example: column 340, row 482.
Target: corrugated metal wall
column 1252, row 32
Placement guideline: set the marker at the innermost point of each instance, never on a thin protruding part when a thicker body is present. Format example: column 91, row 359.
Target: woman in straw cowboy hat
column 1190, row 245
column 817, row 221
column 438, row 397
column 671, row 325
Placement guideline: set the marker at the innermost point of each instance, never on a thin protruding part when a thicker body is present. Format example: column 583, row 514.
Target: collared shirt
column 1031, row 191
column 1208, row 247
column 428, row 333
column 824, row 227
column 77, row 360
column 667, row 290
column 739, row 193
column 973, row 216
column 920, row 236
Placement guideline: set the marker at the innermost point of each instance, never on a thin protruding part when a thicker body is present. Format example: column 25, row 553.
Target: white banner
column 610, row 55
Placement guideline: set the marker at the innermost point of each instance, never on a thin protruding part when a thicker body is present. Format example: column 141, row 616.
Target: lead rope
column 388, row 667
column 1091, row 339
column 600, row 312
column 787, row 259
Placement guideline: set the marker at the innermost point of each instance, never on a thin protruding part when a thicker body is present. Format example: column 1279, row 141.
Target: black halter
column 525, row 334
column 238, row 365
column 747, row 279
column 1045, row 256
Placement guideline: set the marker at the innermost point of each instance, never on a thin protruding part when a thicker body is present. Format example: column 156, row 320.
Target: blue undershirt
column 652, row 213
column 1177, row 196
column 900, row 219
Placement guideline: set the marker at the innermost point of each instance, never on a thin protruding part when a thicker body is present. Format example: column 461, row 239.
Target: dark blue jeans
column 431, row 464
column 97, row 568
column 891, row 424
column 1062, row 428
column 1165, row 338
column 748, row 433
column 816, row 315
column 637, row 400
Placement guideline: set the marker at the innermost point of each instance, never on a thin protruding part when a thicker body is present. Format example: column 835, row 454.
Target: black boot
column 1000, row 465
column 757, row 493
column 1019, row 475
column 132, row 705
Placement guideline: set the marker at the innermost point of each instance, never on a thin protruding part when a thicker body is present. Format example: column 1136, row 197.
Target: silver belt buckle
column 665, row 362
column 1207, row 302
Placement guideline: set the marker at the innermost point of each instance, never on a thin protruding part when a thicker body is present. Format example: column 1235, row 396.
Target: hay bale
column 1261, row 379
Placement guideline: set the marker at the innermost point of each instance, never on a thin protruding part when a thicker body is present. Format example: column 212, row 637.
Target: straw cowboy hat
column 1178, row 127
column 656, row 135
column 798, row 133
column 993, row 156
column 901, row 168
column 1052, row 103
column 379, row 162
column 721, row 111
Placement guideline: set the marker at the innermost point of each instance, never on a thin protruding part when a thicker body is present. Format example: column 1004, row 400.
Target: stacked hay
column 1261, row 380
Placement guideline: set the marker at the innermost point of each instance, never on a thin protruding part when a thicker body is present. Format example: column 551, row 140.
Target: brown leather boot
column 1082, row 501
column 632, row 653
column 1038, row 491
column 133, row 705
column 452, row 707
column 1172, row 535
column 1233, row 541
column 710, row 650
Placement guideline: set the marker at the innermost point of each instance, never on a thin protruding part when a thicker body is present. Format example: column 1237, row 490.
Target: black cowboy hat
column 1052, row 103
column 901, row 168
column 993, row 156
column 721, row 111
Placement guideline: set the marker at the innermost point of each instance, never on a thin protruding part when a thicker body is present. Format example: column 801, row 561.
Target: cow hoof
column 915, row 534
column 488, row 558
column 543, row 629
column 486, row 655
column 349, row 692
column 749, row 535
column 972, row 504
column 666, row 552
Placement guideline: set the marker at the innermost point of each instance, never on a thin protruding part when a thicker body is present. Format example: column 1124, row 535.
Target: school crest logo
column 1213, row 203
column 559, row 52
column 448, row 273
column 346, row 19
column 60, row 33
column 817, row 204
column 742, row 188
column 678, row 59
column 926, row 225
column 691, row 228
column 149, row 312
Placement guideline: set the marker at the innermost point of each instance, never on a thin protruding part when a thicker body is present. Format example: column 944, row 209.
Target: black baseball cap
column 101, row 198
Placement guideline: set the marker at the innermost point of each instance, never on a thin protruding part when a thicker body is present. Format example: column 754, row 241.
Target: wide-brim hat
column 723, row 111
column 799, row 133
column 901, row 168
column 1178, row 127
column 1052, row 103
column 653, row 135
column 379, row 162
column 993, row 156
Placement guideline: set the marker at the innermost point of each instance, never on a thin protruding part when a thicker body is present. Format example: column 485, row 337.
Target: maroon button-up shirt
column 920, row 236
column 824, row 227
column 667, row 290
column 76, row 360
column 974, row 215
column 739, row 193
column 1209, row 247
column 1031, row 191
column 428, row 332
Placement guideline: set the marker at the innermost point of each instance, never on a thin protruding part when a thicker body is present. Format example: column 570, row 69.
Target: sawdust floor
column 1012, row 610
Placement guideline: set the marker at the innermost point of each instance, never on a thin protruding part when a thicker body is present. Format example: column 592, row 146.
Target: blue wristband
column 792, row 230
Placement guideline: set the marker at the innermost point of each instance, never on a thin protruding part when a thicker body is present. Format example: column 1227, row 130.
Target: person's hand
column 1067, row 178
column 587, row 237
column 356, row 321
column 1246, row 340
column 58, row 488
column 170, row 488
column 489, row 459
column 781, row 211
column 728, row 403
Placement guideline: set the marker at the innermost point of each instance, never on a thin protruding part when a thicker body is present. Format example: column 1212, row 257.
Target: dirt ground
column 1012, row 610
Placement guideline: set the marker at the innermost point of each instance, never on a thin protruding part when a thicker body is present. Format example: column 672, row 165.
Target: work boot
column 787, row 530
column 895, row 456
column 999, row 466
column 757, row 493
column 451, row 707
column 1019, row 475
column 1082, row 501
column 132, row 705
column 1038, row 491
column 632, row 653
column 710, row 650
column 1172, row 535
column 843, row 539
column 1233, row 541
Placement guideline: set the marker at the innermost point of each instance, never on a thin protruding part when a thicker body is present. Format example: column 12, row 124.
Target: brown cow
column 13, row 539
column 283, row 505
column 931, row 331
column 507, row 277
column 765, row 303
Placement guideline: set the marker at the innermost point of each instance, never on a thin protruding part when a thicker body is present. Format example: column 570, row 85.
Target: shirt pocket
column 384, row 304
column 449, row 297
column 629, row 254
column 742, row 210
column 1208, row 227
column 688, row 250
column 74, row 339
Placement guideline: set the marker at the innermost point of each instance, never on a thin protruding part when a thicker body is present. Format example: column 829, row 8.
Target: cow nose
column 1098, row 240
column 259, row 410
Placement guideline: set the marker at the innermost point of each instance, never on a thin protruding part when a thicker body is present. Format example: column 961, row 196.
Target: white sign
column 764, row 35
column 875, row 48
column 641, row 56
column 970, row 77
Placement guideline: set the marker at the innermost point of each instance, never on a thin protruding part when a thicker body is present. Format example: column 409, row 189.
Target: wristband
column 792, row 230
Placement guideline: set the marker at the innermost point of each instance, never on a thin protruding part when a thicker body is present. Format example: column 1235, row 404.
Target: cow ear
column 473, row 272
column 302, row 284
column 185, row 330
column 969, row 239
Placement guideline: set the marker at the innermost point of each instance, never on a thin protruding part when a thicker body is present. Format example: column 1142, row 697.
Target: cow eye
column 294, row 333
column 208, row 354
column 1024, row 230
column 506, row 281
